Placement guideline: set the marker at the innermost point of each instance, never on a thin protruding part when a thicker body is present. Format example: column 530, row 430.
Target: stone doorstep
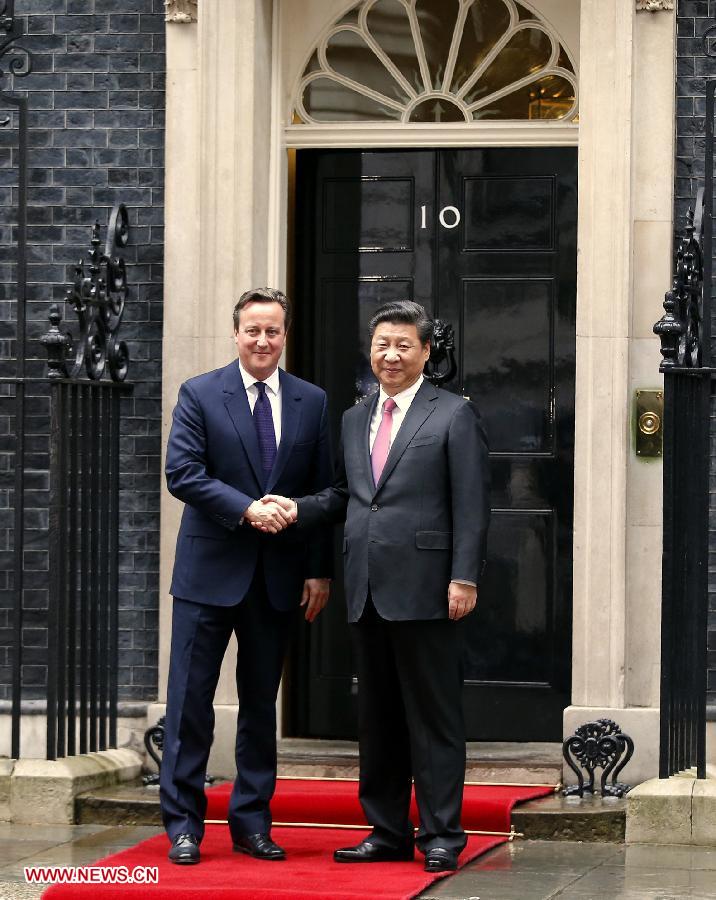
column 558, row 818
column 42, row 791
column 550, row 818
column 676, row 810
column 531, row 763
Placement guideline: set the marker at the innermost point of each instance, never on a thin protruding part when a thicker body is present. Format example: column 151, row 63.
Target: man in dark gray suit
column 412, row 483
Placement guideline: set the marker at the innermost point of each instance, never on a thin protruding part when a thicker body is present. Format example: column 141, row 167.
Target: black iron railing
column 82, row 540
column 685, row 332
column 83, row 534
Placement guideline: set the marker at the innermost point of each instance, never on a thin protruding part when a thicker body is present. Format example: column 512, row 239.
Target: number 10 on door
column 449, row 216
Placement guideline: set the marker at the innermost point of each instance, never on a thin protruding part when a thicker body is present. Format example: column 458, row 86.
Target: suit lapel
column 237, row 406
column 363, row 434
column 422, row 406
column 290, row 418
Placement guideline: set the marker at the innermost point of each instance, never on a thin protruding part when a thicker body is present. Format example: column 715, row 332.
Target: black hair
column 408, row 312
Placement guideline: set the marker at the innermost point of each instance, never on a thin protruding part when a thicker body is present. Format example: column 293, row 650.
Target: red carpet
column 309, row 873
column 484, row 808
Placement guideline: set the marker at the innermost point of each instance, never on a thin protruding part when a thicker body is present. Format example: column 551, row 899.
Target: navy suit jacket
column 425, row 522
column 213, row 465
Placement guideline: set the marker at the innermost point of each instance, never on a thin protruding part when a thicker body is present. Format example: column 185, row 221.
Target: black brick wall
column 96, row 101
column 692, row 67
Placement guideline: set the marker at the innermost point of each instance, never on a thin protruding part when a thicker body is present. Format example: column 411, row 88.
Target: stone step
column 551, row 818
column 510, row 763
column 559, row 818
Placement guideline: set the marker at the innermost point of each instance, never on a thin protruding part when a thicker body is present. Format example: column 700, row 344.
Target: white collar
column 404, row 398
column 272, row 382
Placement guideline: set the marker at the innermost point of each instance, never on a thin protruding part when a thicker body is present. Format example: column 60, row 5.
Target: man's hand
column 289, row 506
column 315, row 596
column 461, row 599
column 267, row 516
column 288, row 509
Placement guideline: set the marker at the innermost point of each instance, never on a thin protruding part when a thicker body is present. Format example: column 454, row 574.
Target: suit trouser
column 411, row 725
column 200, row 636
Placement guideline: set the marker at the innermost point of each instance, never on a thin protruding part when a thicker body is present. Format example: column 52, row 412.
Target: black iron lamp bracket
column 153, row 742
column 600, row 744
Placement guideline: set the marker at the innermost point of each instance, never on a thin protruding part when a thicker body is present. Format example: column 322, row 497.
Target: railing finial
column 98, row 299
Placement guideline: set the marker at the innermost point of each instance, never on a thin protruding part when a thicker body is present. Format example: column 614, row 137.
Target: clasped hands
column 272, row 513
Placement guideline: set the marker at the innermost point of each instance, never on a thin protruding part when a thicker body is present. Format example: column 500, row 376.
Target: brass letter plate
column 649, row 423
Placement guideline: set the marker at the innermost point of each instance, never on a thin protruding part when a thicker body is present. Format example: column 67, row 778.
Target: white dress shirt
column 273, row 392
column 402, row 405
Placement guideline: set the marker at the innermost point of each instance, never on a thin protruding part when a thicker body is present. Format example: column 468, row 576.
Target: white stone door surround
column 229, row 83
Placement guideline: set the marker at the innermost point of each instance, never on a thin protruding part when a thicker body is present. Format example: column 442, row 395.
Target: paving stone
column 539, row 870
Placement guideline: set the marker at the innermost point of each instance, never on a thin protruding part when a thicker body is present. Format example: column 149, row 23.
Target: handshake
column 272, row 513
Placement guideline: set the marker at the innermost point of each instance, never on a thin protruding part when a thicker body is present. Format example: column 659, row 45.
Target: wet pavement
column 542, row 870
column 60, row 845
column 522, row 870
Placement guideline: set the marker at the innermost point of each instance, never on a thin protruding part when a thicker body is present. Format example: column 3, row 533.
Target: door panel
column 485, row 239
column 508, row 213
column 509, row 640
column 507, row 282
column 506, row 353
column 376, row 213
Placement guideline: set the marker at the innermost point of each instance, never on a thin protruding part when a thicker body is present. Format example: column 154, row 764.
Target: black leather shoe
column 440, row 860
column 185, row 850
column 368, row 852
column 260, row 846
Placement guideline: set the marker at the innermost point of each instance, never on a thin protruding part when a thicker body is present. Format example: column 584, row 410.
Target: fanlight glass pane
column 437, row 20
column 313, row 64
column 563, row 61
column 524, row 14
column 550, row 97
column 349, row 55
column 487, row 21
column 389, row 25
column 329, row 101
column 437, row 109
column 525, row 53
column 383, row 54
column 350, row 18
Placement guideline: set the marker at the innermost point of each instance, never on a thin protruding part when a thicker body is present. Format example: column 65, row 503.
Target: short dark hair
column 263, row 295
column 408, row 312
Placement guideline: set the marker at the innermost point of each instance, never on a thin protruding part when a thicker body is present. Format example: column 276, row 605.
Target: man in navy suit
column 412, row 484
column 238, row 433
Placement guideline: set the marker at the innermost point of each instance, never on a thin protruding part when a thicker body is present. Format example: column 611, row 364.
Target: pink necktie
column 381, row 446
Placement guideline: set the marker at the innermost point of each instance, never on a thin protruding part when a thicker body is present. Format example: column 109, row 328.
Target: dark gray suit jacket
column 425, row 522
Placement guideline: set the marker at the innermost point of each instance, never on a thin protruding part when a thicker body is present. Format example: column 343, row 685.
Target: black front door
column 485, row 239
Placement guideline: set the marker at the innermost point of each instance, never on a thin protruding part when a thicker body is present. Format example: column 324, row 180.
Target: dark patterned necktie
column 263, row 420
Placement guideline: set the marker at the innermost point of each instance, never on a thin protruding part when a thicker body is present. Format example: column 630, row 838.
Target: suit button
column 374, row 507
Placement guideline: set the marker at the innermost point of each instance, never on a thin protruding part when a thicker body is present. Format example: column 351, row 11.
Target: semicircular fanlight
column 437, row 61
